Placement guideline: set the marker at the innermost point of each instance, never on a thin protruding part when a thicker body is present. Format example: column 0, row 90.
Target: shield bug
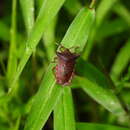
column 64, row 70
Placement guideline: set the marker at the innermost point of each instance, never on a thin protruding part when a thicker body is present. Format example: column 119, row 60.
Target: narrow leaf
column 95, row 126
column 122, row 11
column 44, row 102
column 103, row 96
column 48, row 11
column 28, row 13
column 12, row 61
column 64, row 112
column 77, row 34
column 48, row 93
column 121, row 61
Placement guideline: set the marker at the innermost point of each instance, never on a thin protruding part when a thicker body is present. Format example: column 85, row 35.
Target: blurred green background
column 108, row 49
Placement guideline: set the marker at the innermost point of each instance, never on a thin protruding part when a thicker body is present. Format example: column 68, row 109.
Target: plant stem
column 12, row 61
column 92, row 4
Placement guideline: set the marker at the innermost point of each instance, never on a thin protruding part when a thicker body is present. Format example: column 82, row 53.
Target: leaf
column 12, row 60
column 122, row 11
column 44, row 102
column 89, row 71
column 48, row 11
column 4, row 31
column 102, row 11
column 77, row 34
column 49, row 39
column 64, row 112
column 28, row 13
column 112, row 28
column 95, row 126
column 121, row 61
column 48, row 94
column 102, row 95
column 73, row 6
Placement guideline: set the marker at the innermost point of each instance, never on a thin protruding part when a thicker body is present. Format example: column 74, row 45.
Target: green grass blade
column 121, row 61
column 73, row 6
column 89, row 71
column 28, row 13
column 48, row 11
column 64, row 113
column 48, row 93
column 122, row 11
column 49, row 39
column 102, row 10
column 111, row 28
column 44, row 102
column 59, row 120
column 77, row 34
column 39, row 3
column 68, row 109
column 4, row 31
column 95, row 126
column 12, row 61
column 103, row 96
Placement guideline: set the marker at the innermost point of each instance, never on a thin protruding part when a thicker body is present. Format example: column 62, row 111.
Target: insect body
column 64, row 70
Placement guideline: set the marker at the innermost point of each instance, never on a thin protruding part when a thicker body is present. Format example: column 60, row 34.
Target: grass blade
column 48, row 11
column 68, row 109
column 73, row 6
column 64, row 113
column 77, row 34
column 102, row 10
column 89, row 71
column 44, row 102
column 12, row 61
column 122, row 11
column 49, row 39
column 103, row 96
column 121, row 61
column 112, row 28
column 59, row 120
column 28, row 13
column 95, row 126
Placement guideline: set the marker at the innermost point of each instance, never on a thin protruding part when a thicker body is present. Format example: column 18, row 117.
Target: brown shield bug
column 64, row 70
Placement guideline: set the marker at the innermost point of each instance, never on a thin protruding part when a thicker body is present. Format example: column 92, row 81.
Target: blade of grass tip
column 44, row 102
column 103, row 96
column 28, row 13
column 121, row 61
column 64, row 112
column 101, row 11
column 122, row 11
column 12, row 61
column 48, row 93
column 77, row 34
column 47, row 12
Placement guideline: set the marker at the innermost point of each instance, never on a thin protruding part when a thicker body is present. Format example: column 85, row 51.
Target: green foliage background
column 99, row 96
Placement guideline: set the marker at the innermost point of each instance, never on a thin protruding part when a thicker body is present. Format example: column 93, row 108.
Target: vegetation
column 30, row 34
